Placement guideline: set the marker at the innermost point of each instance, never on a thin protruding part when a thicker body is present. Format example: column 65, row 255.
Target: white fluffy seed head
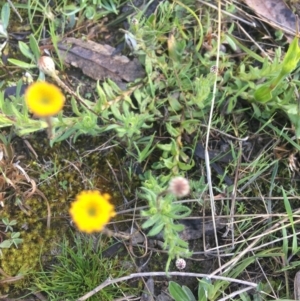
column 179, row 186
column 180, row 263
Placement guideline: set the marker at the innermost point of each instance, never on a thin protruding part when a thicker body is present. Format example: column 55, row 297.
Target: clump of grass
column 79, row 268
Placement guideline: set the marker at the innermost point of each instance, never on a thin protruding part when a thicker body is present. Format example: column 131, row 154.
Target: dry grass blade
column 226, row 13
column 297, row 286
column 163, row 274
column 207, row 159
column 231, row 263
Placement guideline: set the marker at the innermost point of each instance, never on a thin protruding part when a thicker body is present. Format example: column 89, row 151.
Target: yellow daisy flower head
column 91, row 211
column 44, row 99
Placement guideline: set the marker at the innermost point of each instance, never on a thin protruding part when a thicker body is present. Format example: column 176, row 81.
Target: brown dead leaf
column 276, row 13
column 96, row 61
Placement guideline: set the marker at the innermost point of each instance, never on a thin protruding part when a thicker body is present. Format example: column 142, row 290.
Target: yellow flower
column 44, row 99
column 91, row 211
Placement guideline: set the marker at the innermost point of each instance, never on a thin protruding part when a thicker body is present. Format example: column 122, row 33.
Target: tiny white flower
column 180, row 263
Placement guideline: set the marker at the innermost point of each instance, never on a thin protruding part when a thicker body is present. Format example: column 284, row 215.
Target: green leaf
column 156, row 229
column 177, row 292
column 17, row 241
column 13, row 222
column 185, row 166
column 75, row 107
column 116, row 111
column 144, row 154
column 285, row 243
column 148, row 65
column 100, row 103
column 291, row 58
column 5, row 14
column 21, row 64
column 24, row 48
column 151, row 221
column 203, row 290
column 5, row 221
column 174, row 103
column 165, row 147
column 34, row 47
column 71, row 9
column 63, row 136
column 6, row 244
column 169, row 163
column 174, row 132
column 231, row 43
column 289, row 211
column 179, row 211
column 244, row 297
column 90, row 12
column 189, row 293
column 246, row 49
column 263, row 94
column 178, row 227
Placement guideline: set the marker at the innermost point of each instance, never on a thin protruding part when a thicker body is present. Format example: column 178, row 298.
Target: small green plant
column 129, row 125
column 180, row 293
column 206, row 291
column 78, row 269
column 264, row 93
column 92, row 9
column 30, row 52
column 163, row 213
column 276, row 94
column 8, row 236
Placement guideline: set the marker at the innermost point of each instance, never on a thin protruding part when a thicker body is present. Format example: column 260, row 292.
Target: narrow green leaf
column 189, row 293
column 144, row 154
column 285, row 244
column 151, row 221
column 5, row 14
column 231, row 43
column 24, row 48
column 21, row 64
column 289, row 211
column 263, row 94
column 186, row 166
column 246, row 49
column 179, row 211
column 34, row 47
column 178, row 227
column 71, row 9
column 75, row 107
column 165, row 147
column 291, row 58
column 174, row 132
column 64, row 136
column 156, row 229
column 148, row 65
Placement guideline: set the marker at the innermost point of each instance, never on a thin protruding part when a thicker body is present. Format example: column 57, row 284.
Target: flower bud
column 46, row 65
column 179, row 186
column 180, row 263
